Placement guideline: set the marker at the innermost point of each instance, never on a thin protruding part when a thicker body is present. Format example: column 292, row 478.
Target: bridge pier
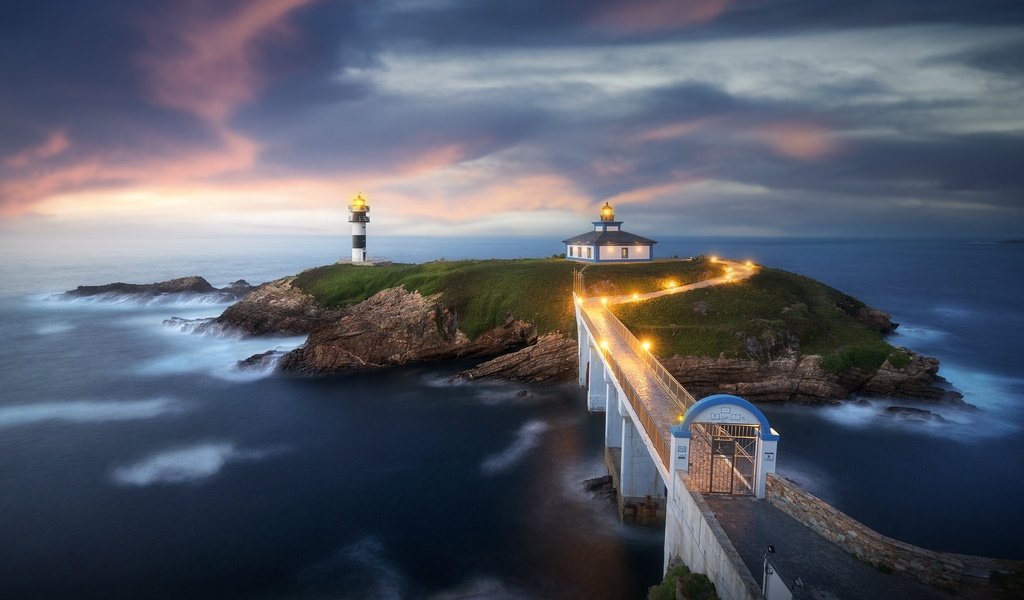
column 641, row 490
column 597, row 385
column 613, row 415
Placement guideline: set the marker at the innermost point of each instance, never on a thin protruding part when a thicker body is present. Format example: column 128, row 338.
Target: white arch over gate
column 726, row 409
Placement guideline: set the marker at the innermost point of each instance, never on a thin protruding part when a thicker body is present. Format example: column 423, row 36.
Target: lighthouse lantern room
column 358, row 218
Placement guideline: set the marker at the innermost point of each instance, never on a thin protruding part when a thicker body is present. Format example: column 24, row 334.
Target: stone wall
column 694, row 536
column 934, row 568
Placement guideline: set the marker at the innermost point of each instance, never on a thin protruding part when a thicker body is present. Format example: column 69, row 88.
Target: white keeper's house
column 608, row 242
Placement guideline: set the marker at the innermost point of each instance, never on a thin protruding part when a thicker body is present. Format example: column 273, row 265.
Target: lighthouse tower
column 358, row 218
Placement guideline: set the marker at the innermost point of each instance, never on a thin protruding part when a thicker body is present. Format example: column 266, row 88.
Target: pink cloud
column 669, row 131
column 645, row 194
column 802, row 141
column 641, row 16
column 20, row 191
column 612, row 167
column 434, row 159
column 54, row 144
column 479, row 193
column 209, row 66
column 205, row 65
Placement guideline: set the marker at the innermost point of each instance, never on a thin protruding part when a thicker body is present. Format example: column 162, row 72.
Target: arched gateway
column 726, row 445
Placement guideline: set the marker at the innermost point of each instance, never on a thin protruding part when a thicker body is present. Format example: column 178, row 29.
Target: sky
column 498, row 117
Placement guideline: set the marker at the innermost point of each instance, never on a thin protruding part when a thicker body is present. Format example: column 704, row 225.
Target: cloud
column 642, row 16
column 803, row 141
column 267, row 115
column 54, row 144
column 201, row 62
column 207, row 64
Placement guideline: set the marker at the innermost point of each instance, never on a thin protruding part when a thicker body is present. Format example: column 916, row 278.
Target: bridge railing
column 659, row 436
column 683, row 399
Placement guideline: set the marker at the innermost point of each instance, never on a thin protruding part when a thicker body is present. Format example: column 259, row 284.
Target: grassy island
column 770, row 313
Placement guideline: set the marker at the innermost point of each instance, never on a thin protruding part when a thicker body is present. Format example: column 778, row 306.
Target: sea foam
column 183, row 465
column 527, row 438
column 87, row 411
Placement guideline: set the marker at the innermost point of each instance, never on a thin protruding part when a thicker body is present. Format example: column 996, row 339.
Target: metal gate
column 723, row 458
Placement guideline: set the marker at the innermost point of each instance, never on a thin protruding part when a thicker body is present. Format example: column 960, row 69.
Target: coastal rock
column 510, row 337
column 239, row 288
column 183, row 288
column 875, row 319
column 396, row 327
column 193, row 284
column 277, row 307
column 804, row 380
column 602, row 488
column 551, row 359
column 264, row 361
column 919, row 379
column 188, row 325
column 872, row 317
column 914, row 414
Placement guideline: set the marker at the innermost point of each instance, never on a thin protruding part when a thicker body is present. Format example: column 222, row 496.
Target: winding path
column 735, row 272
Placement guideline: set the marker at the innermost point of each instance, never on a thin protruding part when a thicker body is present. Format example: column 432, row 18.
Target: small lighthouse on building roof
column 608, row 242
column 358, row 218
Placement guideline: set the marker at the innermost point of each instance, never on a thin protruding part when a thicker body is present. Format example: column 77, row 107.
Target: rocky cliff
column 804, row 380
column 396, row 327
column 551, row 359
column 277, row 307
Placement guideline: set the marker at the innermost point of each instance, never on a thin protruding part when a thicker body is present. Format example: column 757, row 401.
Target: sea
column 136, row 460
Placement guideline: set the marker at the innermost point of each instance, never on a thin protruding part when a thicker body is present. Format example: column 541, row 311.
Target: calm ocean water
column 136, row 462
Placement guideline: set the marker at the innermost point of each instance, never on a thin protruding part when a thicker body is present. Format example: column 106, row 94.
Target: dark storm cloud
column 380, row 133
column 71, row 66
column 567, row 22
column 791, row 113
column 1007, row 58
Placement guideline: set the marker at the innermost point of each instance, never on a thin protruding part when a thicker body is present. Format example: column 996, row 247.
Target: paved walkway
column 827, row 572
column 735, row 272
column 654, row 399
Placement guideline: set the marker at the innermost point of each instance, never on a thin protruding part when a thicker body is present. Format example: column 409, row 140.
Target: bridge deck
column 651, row 396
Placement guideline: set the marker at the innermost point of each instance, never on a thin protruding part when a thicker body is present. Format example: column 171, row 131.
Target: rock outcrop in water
column 551, row 359
column 182, row 287
column 277, row 308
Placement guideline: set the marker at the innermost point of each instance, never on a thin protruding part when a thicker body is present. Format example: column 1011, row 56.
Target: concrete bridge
column 705, row 466
column 664, row 448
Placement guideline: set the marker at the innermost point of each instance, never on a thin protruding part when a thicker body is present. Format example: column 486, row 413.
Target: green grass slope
column 484, row 292
column 769, row 314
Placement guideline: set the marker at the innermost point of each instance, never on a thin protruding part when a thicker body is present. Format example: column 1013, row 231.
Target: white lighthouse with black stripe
column 358, row 218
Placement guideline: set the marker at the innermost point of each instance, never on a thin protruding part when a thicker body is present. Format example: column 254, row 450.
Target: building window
column 589, row 255
column 625, row 253
column 570, row 250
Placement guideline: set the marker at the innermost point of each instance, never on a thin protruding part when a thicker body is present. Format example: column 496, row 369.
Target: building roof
column 608, row 238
